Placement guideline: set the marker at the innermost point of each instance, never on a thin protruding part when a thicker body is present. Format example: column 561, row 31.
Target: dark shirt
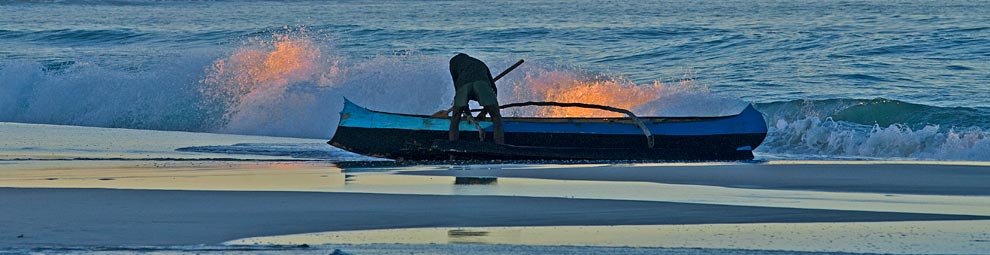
column 465, row 69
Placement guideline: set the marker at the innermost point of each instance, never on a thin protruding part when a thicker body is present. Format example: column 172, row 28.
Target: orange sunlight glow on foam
column 249, row 68
column 256, row 78
column 568, row 87
column 265, row 68
column 254, row 82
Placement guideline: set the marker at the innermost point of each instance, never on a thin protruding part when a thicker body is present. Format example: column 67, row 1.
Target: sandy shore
column 912, row 237
column 142, row 203
column 147, row 217
column 922, row 178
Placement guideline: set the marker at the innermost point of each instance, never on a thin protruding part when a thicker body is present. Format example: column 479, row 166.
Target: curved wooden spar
column 639, row 123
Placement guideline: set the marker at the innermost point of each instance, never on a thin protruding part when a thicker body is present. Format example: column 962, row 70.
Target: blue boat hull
column 418, row 137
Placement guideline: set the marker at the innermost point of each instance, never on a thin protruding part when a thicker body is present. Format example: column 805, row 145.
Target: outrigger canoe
column 422, row 137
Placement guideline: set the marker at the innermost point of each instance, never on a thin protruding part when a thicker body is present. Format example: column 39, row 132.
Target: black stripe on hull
column 418, row 145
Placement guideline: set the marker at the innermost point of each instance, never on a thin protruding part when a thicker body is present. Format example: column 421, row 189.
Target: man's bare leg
column 455, row 123
column 497, row 123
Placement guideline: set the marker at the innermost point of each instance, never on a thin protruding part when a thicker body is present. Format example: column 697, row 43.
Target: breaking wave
column 875, row 128
column 292, row 84
column 879, row 111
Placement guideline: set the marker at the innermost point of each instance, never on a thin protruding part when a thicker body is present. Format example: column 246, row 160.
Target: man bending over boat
column 473, row 81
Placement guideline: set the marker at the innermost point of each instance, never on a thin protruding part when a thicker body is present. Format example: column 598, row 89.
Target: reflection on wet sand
column 475, row 180
column 466, row 236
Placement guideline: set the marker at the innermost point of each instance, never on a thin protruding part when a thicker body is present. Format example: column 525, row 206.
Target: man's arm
column 491, row 80
column 484, row 111
column 453, row 73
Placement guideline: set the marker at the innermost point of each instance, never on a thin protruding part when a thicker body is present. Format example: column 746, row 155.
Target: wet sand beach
column 142, row 217
column 921, row 178
column 80, row 190
column 136, row 203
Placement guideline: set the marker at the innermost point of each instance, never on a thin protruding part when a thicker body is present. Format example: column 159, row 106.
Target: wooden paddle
column 443, row 113
column 513, row 67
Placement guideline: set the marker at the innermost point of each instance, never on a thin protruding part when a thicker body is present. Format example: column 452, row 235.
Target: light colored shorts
column 480, row 91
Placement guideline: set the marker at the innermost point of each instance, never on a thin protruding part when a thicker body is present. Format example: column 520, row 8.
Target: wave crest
column 879, row 111
column 814, row 137
column 875, row 128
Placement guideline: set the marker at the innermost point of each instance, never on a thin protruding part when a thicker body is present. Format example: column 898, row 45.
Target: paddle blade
column 441, row 114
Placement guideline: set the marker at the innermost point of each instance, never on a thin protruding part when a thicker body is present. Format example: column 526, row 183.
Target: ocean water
column 835, row 79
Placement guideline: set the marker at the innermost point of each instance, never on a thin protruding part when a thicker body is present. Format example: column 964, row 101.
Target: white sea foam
column 292, row 85
column 827, row 138
column 163, row 98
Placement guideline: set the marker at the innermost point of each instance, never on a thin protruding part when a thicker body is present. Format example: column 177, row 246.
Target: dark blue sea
column 835, row 79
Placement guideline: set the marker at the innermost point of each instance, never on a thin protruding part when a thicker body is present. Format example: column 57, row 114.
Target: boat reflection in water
column 476, row 180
